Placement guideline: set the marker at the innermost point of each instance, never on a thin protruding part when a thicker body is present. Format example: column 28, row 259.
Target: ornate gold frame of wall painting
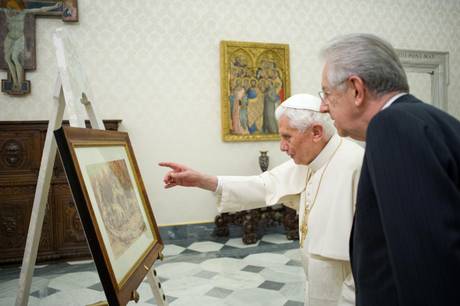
column 254, row 81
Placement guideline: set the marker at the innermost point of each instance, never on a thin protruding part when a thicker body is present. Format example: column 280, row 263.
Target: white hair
column 365, row 55
column 302, row 119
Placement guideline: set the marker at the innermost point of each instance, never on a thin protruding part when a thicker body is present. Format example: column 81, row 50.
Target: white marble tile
column 182, row 282
column 33, row 301
column 8, row 289
column 172, row 250
column 132, row 303
column 75, row 297
column 74, row 280
column 10, row 300
column 238, row 243
column 293, row 254
column 284, row 274
column 237, row 280
column 80, row 262
column 223, row 264
column 65, row 285
column 145, row 293
column 177, row 269
column 187, row 286
column 206, row 246
column 256, row 297
column 266, row 259
column 276, row 238
column 199, row 300
column 294, row 291
column 38, row 283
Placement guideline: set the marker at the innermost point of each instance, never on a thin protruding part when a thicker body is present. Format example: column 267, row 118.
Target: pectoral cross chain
column 303, row 234
column 304, row 227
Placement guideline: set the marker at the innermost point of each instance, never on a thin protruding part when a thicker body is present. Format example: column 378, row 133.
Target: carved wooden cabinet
column 21, row 146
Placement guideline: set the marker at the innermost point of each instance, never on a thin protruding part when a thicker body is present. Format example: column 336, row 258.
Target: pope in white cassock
column 320, row 181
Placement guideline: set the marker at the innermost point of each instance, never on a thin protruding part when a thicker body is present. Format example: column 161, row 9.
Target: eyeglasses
column 324, row 94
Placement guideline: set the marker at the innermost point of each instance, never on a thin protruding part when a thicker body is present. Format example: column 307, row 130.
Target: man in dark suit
column 405, row 244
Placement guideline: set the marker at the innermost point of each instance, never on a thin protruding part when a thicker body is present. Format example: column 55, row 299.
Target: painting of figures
column 254, row 81
column 117, row 203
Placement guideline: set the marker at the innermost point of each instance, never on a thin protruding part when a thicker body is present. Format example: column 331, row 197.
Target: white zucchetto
column 299, row 101
column 303, row 101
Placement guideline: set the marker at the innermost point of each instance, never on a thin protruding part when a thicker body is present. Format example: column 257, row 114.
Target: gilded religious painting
column 111, row 200
column 254, row 81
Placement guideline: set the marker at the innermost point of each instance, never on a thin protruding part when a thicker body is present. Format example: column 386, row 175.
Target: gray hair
column 365, row 55
column 302, row 119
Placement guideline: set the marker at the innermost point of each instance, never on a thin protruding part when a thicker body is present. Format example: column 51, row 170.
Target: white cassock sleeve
column 281, row 184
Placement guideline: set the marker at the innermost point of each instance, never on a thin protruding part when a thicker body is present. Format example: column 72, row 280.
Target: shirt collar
column 392, row 99
column 325, row 153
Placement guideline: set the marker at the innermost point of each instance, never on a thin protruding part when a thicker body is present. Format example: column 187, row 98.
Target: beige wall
column 155, row 65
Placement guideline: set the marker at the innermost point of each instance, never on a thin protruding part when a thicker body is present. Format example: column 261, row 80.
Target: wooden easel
column 63, row 96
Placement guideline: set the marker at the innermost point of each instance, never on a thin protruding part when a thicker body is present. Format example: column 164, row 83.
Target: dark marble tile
column 253, row 269
column 161, row 279
column 265, row 243
column 294, row 263
column 44, row 292
column 181, row 242
column 97, row 287
column 218, row 239
column 271, row 285
column 219, row 292
column 234, row 252
column 191, row 252
column 206, row 274
column 9, row 274
column 228, row 248
column 191, row 258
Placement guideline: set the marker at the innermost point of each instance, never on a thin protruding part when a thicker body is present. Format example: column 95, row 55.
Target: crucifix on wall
column 17, row 37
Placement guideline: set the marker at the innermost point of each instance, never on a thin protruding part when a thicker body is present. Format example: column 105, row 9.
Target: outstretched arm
column 181, row 175
column 44, row 8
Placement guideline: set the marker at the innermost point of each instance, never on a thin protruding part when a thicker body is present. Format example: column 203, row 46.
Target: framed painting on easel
column 113, row 206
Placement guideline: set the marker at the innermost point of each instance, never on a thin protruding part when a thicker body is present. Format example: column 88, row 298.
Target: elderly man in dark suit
column 405, row 244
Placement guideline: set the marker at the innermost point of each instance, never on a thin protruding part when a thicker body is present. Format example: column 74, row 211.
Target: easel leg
column 39, row 206
column 155, row 285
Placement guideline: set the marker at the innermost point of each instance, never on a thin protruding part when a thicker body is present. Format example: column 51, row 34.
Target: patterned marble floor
column 216, row 272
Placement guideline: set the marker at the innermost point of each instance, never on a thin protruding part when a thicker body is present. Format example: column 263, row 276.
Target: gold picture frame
column 114, row 209
column 254, row 81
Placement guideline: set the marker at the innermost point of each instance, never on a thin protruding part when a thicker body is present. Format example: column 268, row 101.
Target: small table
column 253, row 219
